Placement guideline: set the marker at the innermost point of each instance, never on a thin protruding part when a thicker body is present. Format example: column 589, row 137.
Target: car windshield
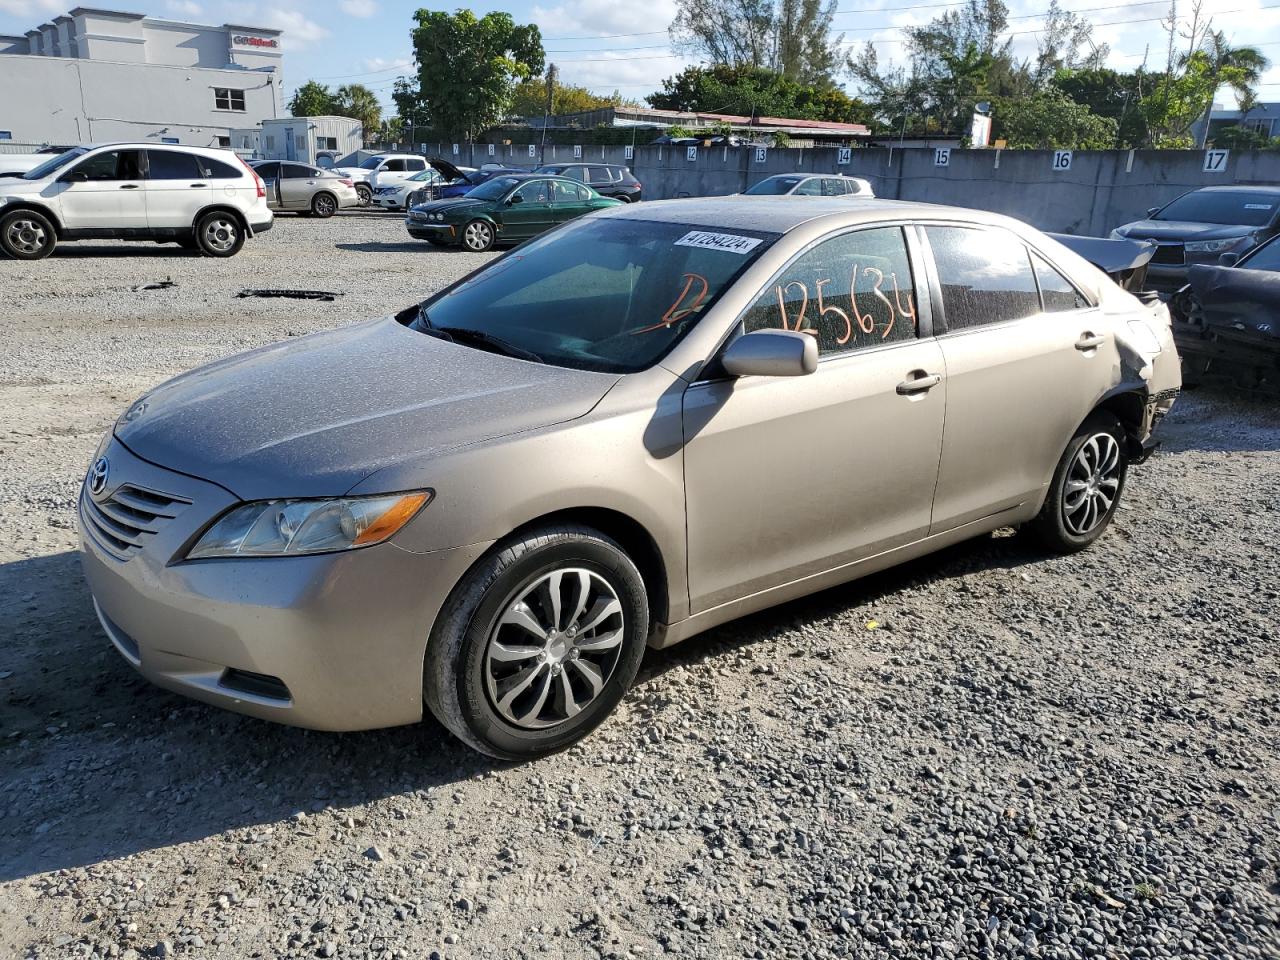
column 492, row 189
column 1266, row 257
column 1221, row 206
column 370, row 163
column 774, row 186
column 55, row 163
column 607, row 294
column 427, row 174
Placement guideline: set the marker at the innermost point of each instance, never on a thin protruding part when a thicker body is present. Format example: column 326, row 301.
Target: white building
column 101, row 75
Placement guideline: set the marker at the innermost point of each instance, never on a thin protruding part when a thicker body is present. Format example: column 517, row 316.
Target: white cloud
column 586, row 18
column 383, row 65
column 364, row 9
column 299, row 31
column 185, row 8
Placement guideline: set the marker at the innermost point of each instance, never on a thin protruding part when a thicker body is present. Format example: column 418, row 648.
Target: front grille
column 1169, row 253
column 124, row 522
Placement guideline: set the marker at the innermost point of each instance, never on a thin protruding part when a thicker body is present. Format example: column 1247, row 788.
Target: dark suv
column 607, row 179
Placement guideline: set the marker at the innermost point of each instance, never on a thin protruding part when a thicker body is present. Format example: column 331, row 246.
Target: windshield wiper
column 487, row 341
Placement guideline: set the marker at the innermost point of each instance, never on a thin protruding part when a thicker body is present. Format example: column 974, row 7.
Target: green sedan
column 511, row 207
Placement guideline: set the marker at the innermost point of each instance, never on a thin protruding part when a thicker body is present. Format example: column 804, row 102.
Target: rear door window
column 985, row 275
column 414, row 164
column 219, row 170
column 268, row 171
column 599, row 175
column 171, row 165
column 833, row 187
column 852, row 292
column 1058, row 293
column 810, row 188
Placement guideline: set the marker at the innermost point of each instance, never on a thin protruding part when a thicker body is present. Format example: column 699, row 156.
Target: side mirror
column 1228, row 259
column 1152, row 211
column 771, row 353
column 515, row 198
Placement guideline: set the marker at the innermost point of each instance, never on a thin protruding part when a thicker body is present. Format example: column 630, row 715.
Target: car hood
column 1183, row 230
column 19, row 186
column 316, row 415
column 452, row 205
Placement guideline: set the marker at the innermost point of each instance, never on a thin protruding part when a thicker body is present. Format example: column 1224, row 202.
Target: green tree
column 529, row 99
column 791, row 37
column 312, row 100
column 1236, row 137
column 753, row 91
column 468, row 67
column 410, row 107
column 1109, row 93
column 1051, row 121
column 1239, row 68
column 360, row 103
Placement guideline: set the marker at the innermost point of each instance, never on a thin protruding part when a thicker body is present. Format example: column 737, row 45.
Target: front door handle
column 128, row 186
column 927, row 381
column 1089, row 341
column 194, row 185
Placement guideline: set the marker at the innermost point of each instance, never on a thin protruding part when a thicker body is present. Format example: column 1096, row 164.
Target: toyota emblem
column 98, row 476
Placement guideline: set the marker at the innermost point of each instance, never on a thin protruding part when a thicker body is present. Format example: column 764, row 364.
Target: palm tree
column 357, row 101
column 1239, row 68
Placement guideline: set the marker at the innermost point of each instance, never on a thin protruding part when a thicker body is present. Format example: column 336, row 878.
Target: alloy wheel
column 220, row 234
column 324, row 206
column 1092, row 484
column 553, row 648
column 26, row 236
column 478, row 236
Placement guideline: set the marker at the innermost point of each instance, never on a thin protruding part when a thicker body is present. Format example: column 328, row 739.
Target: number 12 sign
column 1215, row 161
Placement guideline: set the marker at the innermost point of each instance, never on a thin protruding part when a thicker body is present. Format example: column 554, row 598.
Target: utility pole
column 552, row 73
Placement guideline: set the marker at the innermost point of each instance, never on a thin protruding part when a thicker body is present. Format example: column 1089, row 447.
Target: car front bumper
column 331, row 642
column 427, row 230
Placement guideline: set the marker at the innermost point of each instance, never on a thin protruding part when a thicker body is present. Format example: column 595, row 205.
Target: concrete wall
column 1102, row 188
column 57, row 100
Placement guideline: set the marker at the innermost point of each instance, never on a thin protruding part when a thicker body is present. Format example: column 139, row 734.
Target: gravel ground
column 986, row 753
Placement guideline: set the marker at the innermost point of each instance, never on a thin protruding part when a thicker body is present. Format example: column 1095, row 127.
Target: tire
column 219, row 234
column 509, row 699
column 324, row 205
column 365, row 194
column 27, row 235
column 478, row 236
column 1074, row 516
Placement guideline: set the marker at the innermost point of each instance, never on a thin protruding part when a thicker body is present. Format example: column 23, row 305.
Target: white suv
column 204, row 199
column 382, row 170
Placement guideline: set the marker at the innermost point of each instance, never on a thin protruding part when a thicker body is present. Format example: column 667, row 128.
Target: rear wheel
column 477, row 236
column 27, row 235
column 219, row 234
column 364, row 193
column 1086, row 486
column 324, row 205
column 538, row 643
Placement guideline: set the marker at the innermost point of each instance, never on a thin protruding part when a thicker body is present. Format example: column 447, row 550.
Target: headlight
column 1215, row 246
column 277, row 528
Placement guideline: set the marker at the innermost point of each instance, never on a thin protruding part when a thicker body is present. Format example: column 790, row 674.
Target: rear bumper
column 263, row 227
column 330, row 642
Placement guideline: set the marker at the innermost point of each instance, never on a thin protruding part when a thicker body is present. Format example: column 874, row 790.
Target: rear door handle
column 128, row 186
column 194, row 185
column 919, row 384
column 1089, row 341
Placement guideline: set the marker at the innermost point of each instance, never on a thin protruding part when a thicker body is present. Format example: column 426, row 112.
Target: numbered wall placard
column 577, row 151
column 628, row 152
column 455, row 149
column 942, row 156
column 491, row 149
column 762, row 154
column 843, row 156
column 533, row 150
column 1061, row 160
column 1215, row 161
column 691, row 153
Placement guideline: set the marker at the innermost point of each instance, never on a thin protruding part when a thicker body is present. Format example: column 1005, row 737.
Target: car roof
column 783, row 214
column 1239, row 188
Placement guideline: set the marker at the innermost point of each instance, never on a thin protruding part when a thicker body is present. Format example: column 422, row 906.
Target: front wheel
column 27, row 235
column 219, row 234
column 477, row 236
column 1086, row 487
column 364, row 194
column 538, row 643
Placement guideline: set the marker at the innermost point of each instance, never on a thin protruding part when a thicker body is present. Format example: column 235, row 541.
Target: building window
column 327, row 143
column 226, row 99
column 270, row 141
column 6, row 134
column 170, row 140
column 301, row 141
column 224, row 141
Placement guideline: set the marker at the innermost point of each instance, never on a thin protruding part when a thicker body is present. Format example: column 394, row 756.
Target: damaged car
column 645, row 423
column 1227, row 320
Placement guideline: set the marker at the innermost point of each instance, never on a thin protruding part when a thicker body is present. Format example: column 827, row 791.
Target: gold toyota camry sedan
column 644, row 423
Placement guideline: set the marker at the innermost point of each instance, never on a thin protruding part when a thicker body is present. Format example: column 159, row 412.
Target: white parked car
column 395, row 196
column 811, row 185
column 202, row 198
column 391, row 167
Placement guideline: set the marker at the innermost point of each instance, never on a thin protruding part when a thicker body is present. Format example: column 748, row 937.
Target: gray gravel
column 986, row 753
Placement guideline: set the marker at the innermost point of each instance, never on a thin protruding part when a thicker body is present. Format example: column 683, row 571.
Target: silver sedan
column 305, row 189
column 640, row 425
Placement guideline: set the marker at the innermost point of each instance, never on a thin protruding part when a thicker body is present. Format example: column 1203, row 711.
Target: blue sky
column 623, row 45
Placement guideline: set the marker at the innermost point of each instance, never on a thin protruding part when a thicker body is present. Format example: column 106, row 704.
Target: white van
column 202, row 198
